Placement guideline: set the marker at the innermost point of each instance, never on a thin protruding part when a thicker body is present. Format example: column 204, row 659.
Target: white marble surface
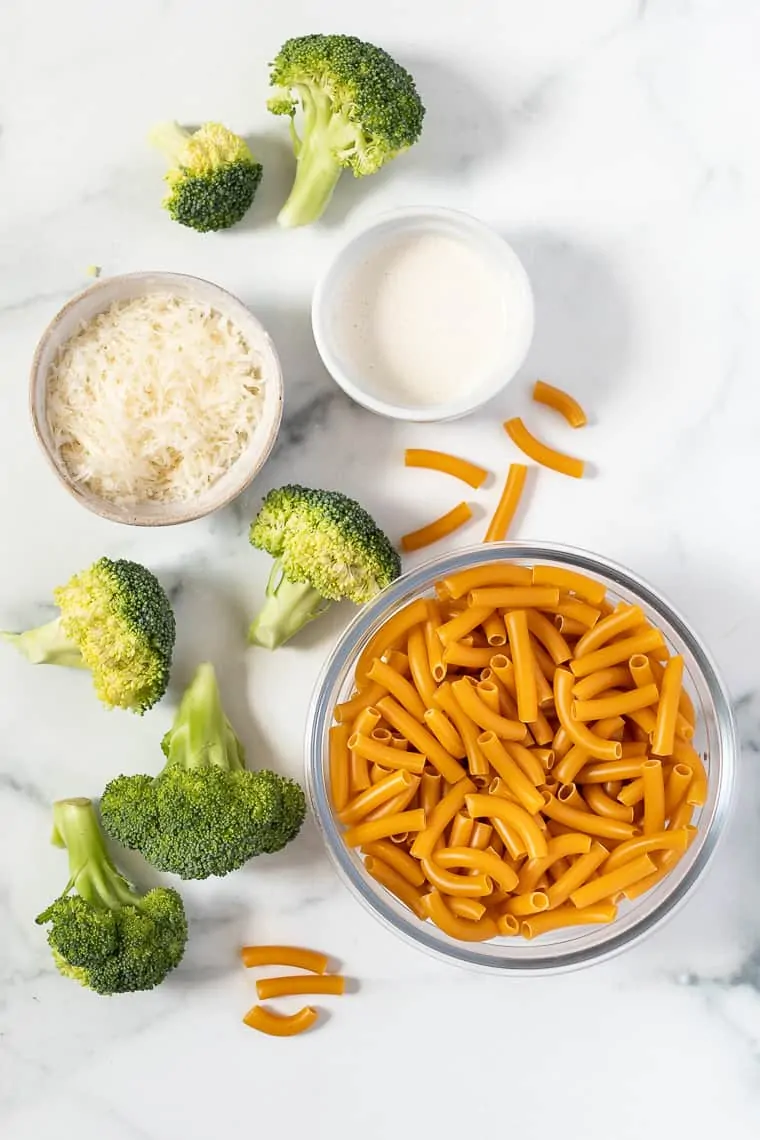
column 614, row 143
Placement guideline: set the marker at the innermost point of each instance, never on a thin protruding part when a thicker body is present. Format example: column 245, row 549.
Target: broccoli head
column 360, row 109
column 115, row 620
column 213, row 178
column 205, row 813
column 326, row 548
column 107, row 936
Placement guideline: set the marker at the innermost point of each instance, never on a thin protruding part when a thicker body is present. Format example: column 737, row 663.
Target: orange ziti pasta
column 508, row 503
column 540, row 452
column 294, row 956
column 275, row 1025
column 438, row 529
column 561, row 402
column 448, row 464
column 514, row 774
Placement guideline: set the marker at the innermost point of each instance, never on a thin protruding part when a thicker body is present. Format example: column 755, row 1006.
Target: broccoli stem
column 201, row 736
column 171, row 139
column 288, row 608
column 47, row 645
column 93, row 875
column 317, row 170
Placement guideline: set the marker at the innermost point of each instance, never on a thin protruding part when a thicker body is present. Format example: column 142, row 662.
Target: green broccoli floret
column 213, row 178
column 326, row 548
column 360, row 109
column 115, row 620
column 108, row 936
column 205, row 813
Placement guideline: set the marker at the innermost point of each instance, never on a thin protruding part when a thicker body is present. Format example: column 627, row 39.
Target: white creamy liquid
column 422, row 321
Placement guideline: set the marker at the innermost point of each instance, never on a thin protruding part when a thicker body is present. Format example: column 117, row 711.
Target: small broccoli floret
column 205, row 813
column 213, row 178
column 360, row 109
column 108, row 936
column 115, row 620
column 326, row 548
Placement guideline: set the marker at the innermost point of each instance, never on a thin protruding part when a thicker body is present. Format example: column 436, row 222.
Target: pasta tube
column 509, row 501
column 401, row 689
column 438, row 529
column 561, row 402
column 571, row 581
column 399, row 860
column 613, row 881
column 458, row 928
column 462, row 469
column 579, row 734
column 445, row 732
column 389, row 755
column 567, row 916
column 485, row 862
column 663, row 738
column 276, row 1025
column 369, row 831
column 615, row 703
column 495, row 808
column 540, row 452
column 524, row 665
column 440, row 817
column 396, row 883
column 421, row 739
column 267, row 988
column 339, row 774
column 492, row 574
column 294, row 956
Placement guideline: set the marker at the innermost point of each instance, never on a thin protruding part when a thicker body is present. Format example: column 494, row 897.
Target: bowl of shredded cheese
column 156, row 397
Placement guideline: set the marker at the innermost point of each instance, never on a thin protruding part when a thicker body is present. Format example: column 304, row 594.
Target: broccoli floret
column 205, row 813
column 213, row 178
column 360, row 109
column 326, row 548
column 108, row 936
column 115, row 620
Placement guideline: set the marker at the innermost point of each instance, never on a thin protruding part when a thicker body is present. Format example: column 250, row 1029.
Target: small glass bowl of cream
column 423, row 315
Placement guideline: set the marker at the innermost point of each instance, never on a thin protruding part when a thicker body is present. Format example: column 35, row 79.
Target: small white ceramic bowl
column 508, row 272
column 129, row 286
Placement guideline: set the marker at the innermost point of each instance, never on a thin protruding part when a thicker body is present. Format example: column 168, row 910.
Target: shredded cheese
column 153, row 399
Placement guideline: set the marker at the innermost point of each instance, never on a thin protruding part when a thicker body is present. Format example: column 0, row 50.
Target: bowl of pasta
column 521, row 758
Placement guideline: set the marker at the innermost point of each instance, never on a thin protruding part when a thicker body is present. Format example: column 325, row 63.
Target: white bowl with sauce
column 423, row 315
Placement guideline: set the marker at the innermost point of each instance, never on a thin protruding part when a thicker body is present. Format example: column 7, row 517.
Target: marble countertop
column 609, row 141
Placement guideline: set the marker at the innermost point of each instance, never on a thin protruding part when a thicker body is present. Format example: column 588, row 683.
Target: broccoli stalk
column 205, row 813
column 326, row 547
column 202, row 736
column 318, row 169
column 115, row 620
column 289, row 607
column 47, row 645
column 360, row 109
column 107, row 935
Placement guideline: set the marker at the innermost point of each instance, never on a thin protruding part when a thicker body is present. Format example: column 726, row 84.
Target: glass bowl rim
column 320, row 717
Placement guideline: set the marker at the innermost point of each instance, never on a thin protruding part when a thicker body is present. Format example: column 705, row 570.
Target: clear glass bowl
column 570, row 948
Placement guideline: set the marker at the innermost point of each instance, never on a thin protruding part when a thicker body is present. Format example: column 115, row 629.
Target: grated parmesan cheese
column 153, row 399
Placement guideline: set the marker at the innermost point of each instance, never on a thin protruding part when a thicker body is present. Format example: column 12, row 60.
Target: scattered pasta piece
column 508, row 503
column 519, row 779
column 541, row 452
column 276, row 1025
column 438, row 529
column 268, row 988
column 449, row 464
column 284, row 956
column 561, row 402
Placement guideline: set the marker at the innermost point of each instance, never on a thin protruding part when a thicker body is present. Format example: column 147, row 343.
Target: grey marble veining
column 612, row 143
